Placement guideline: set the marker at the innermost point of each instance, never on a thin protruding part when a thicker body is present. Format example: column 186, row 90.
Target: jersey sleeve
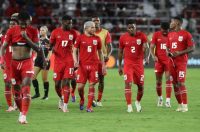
column 121, row 43
column 8, row 36
column 144, row 37
column 189, row 40
column 52, row 39
column 36, row 36
column 77, row 42
column 99, row 45
column 153, row 40
column 108, row 38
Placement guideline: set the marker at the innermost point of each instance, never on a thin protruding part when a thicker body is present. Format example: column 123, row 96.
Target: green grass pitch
column 44, row 116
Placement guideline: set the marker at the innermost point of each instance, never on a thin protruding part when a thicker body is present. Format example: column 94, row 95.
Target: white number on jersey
column 132, row 49
column 174, row 45
column 64, row 43
column 181, row 74
column 163, row 46
column 142, row 78
column 89, row 49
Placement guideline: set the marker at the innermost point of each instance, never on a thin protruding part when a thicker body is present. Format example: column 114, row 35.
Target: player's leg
column 159, row 73
column 100, row 89
column 8, row 93
column 139, row 80
column 73, row 85
column 168, row 89
column 17, row 95
column 45, row 84
column 91, row 92
column 66, row 93
column 35, row 82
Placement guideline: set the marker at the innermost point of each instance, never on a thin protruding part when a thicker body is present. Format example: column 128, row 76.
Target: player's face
column 12, row 23
column 97, row 22
column 164, row 32
column 173, row 24
column 67, row 24
column 131, row 28
column 91, row 30
column 43, row 32
column 23, row 23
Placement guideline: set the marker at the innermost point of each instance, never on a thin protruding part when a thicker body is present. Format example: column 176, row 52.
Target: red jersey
column 8, row 55
column 88, row 47
column 14, row 36
column 160, row 41
column 133, row 47
column 178, row 41
column 63, row 42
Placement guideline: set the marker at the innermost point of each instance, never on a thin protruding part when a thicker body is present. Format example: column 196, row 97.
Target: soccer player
column 87, row 45
column 133, row 46
column 22, row 38
column 179, row 44
column 7, row 69
column 158, row 52
column 106, row 50
column 62, row 40
column 44, row 43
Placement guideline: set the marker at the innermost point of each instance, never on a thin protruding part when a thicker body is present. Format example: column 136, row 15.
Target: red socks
column 90, row 97
column 178, row 96
column 159, row 89
column 18, row 99
column 128, row 95
column 66, row 93
column 8, row 95
column 100, row 93
column 26, row 99
column 140, row 93
column 81, row 94
column 184, row 94
column 168, row 89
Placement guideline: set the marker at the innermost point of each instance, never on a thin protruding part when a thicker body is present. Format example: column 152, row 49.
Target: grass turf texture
column 44, row 116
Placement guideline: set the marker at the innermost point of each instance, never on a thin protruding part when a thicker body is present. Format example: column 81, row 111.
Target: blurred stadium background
column 113, row 13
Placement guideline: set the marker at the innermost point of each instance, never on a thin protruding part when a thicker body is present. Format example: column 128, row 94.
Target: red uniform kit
column 88, row 59
column 160, row 41
column 21, row 68
column 64, row 64
column 178, row 41
column 7, row 59
column 133, row 57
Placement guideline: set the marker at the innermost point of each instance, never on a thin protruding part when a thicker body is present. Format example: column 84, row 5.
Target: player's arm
column 186, row 51
column 2, row 53
column 146, row 52
column 75, row 57
column 152, row 49
column 108, row 47
column 120, row 57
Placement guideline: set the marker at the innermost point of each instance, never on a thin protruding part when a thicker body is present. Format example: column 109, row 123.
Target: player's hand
column 120, row 70
column 155, row 58
column 76, row 65
column 170, row 54
column 2, row 66
column 106, row 59
column 146, row 61
column 45, row 63
column 104, row 69
column 176, row 53
column 24, row 35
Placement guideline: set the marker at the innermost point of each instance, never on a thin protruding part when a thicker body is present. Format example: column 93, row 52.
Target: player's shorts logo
column 180, row 38
column 95, row 42
column 139, row 41
column 13, row 81
column 70, row 37
column 5, row 76
column 54, row 75
column 125, row 77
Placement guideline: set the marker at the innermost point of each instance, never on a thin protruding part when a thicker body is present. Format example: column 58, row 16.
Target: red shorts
column 100, row 72
column 161, row 66
column 87, row 72
column 134, row 73
column 21, row 69
column 178, row 71
column 63, row 70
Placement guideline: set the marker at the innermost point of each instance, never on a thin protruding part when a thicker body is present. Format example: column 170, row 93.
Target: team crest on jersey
column 70, row 37
column 95, row 42
column 13, row 81
column 180, row 38
column 139, row 41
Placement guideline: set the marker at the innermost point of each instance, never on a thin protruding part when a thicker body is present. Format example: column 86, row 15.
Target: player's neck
column 177, row 29
column 43, row 37
column 98, row 29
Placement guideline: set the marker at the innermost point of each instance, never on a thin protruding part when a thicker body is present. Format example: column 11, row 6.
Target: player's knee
column 180, row 84
column 57, row 84
column 16, row 87
column 140, row 86
column 127, row 84
column 26, row 82
column 8, row 84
